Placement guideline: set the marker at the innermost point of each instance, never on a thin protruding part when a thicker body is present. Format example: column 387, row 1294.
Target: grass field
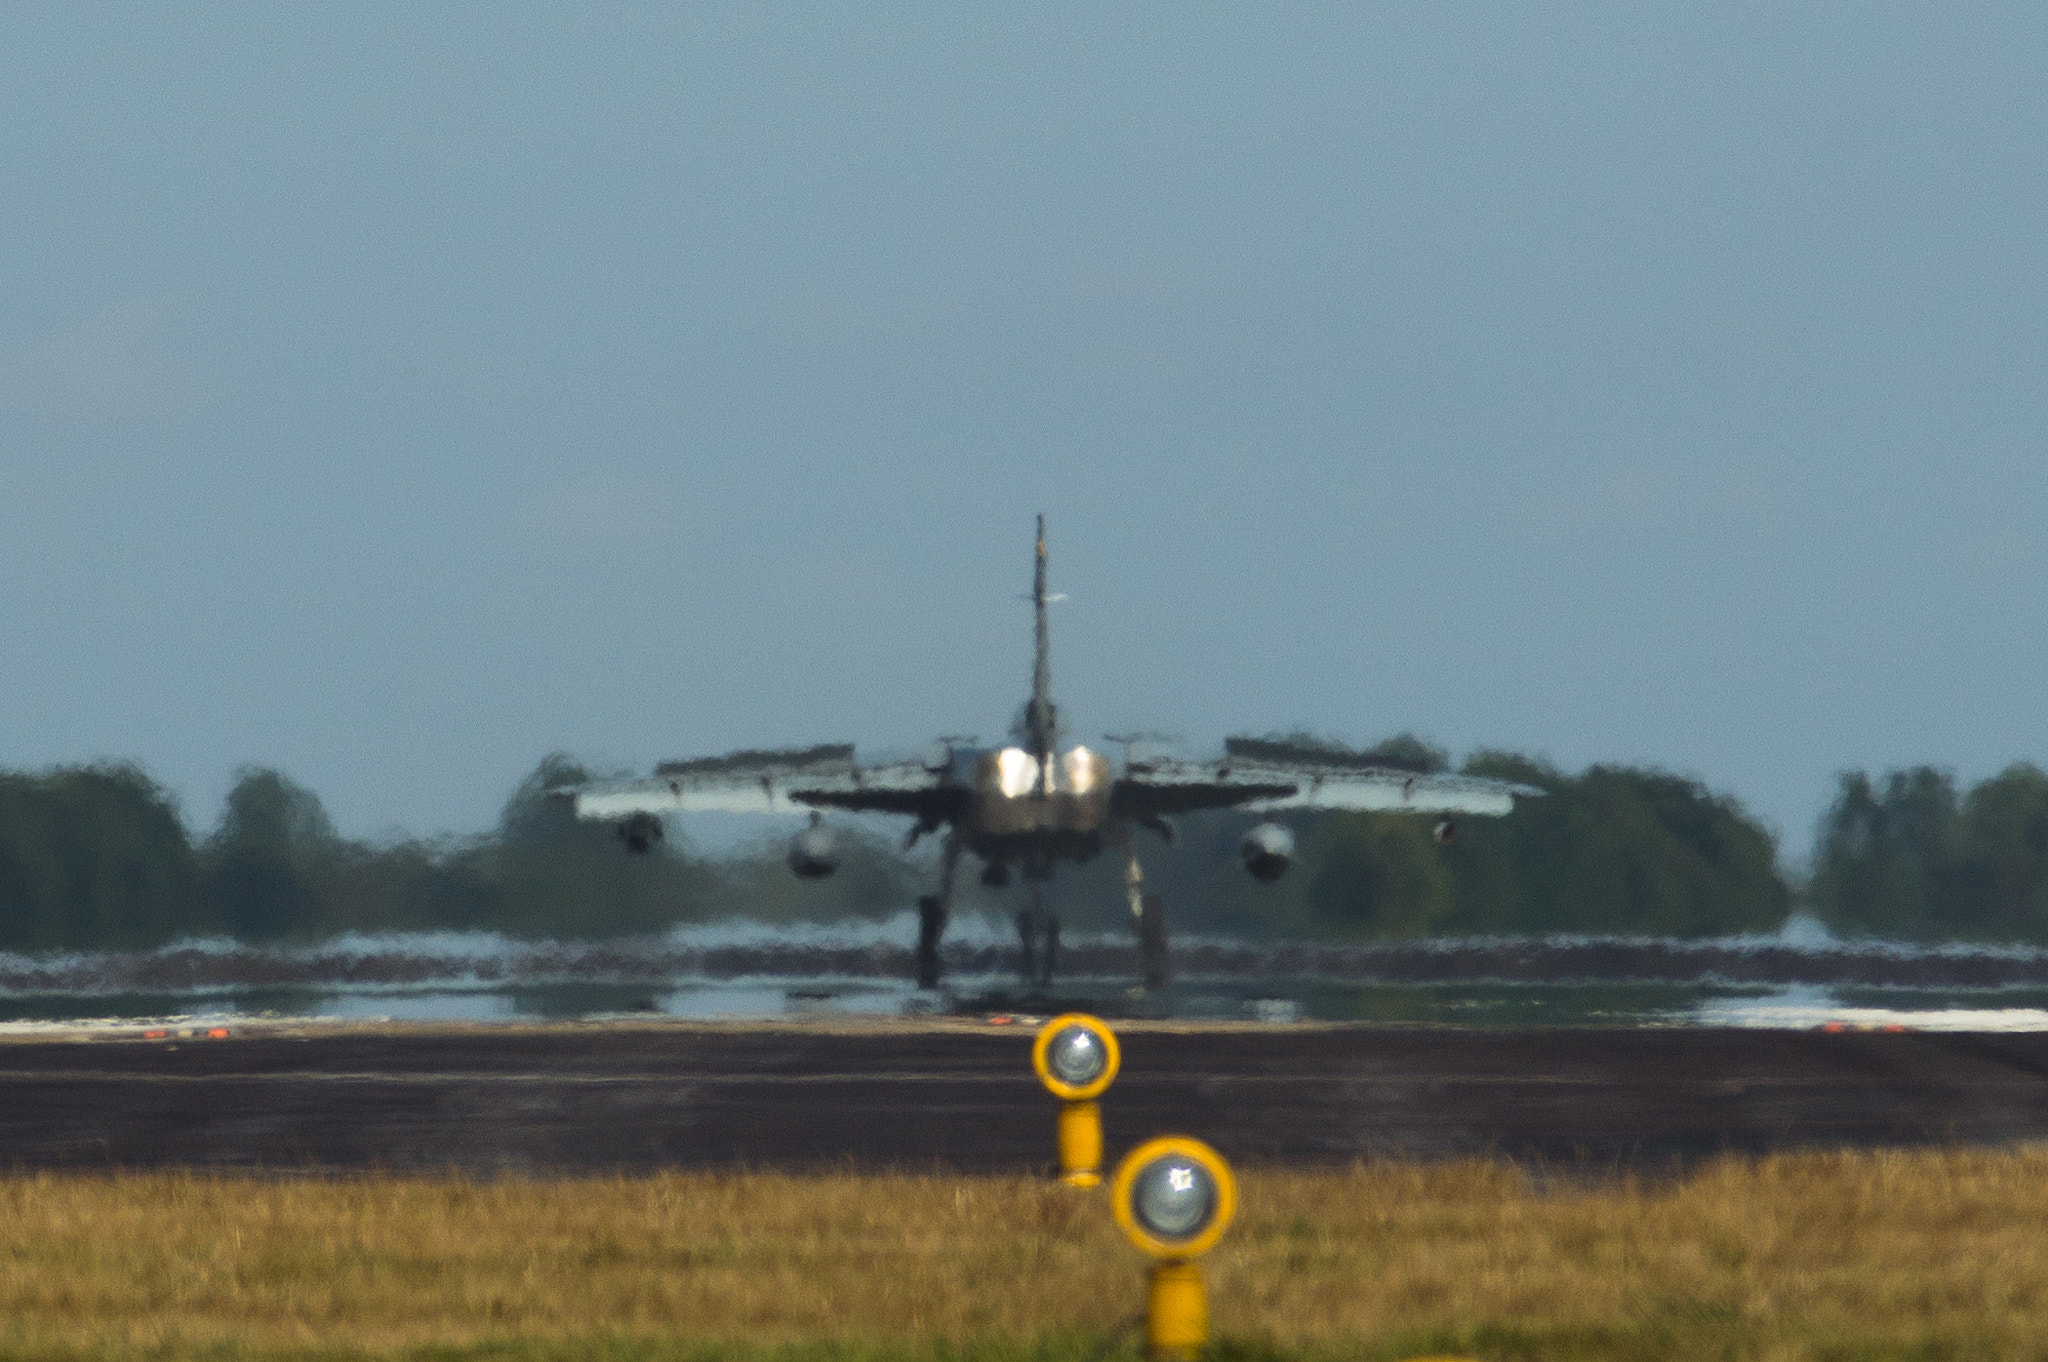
column 1931, row 1255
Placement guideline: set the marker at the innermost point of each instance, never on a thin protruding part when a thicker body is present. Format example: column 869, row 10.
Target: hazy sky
column 396, row 393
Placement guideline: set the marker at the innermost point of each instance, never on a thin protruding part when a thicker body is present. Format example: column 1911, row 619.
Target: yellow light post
column 1076, row 1056
column 1173, row 1198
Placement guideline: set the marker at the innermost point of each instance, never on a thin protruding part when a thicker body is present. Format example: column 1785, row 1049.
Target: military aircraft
column 1030, row 805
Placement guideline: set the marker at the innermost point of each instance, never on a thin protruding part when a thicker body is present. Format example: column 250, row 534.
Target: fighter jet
column 1029, row 805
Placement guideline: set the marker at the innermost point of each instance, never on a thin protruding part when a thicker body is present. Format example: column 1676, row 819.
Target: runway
column 960, row 1096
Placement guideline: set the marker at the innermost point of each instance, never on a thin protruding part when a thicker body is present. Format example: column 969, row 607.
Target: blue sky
column 396, row 393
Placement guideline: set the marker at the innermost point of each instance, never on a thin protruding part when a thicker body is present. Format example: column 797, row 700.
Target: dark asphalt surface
column 584, row 1098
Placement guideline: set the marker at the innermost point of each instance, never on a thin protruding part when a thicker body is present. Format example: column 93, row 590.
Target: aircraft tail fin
column 1040, row 718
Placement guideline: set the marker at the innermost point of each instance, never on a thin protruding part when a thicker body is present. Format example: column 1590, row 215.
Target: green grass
column 1851, row 1257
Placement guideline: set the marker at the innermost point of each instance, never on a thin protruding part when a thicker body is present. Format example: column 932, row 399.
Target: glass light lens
column 1174, row 1197
column 1076, row 1056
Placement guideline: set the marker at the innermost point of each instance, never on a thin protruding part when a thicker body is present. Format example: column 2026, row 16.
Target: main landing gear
column 932, row 912
column 1148, row 915
column 1038, row 927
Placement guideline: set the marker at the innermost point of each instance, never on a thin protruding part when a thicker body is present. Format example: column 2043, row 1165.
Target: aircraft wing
column 928, row 801
column 785, row 781
column 907, row 787
column 1266, row 785
column 1187, row 792
column 1395, row 791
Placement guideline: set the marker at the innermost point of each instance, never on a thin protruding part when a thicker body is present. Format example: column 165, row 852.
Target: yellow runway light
column 1173, row 1197
column 1176, row 1311
column 1077, row 1057
column 1080, row 1144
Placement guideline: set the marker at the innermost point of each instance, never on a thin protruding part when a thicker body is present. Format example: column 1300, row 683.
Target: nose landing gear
column 1038, row 934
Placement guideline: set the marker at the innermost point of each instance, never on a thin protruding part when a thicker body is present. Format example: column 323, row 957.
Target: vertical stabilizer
column 1040, row 723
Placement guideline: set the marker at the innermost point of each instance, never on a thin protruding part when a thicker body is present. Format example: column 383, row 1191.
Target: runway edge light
column 1173, row 1197
column 1077, row 1057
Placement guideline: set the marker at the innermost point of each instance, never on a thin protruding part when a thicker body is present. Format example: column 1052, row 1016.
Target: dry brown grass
column 1934, row 1254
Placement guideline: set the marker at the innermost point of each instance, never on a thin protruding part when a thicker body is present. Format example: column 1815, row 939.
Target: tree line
column 1913, row 858
column 1610, row 850
column 98, row 858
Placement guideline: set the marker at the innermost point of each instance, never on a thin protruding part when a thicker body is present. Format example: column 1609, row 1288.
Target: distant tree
column 268, row 862
column 96, row 858
column 390, row 888
column 1615, row 849
column 1369, row 875
column 533, row 818
column 1406, row 752
column 2001, row 888
column 1914, row 861
column 554, row 875
column 92, row 857
column 1880, row 853
column 1516, row 768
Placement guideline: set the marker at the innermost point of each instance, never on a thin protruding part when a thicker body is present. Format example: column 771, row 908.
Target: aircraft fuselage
column 1032, row 811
